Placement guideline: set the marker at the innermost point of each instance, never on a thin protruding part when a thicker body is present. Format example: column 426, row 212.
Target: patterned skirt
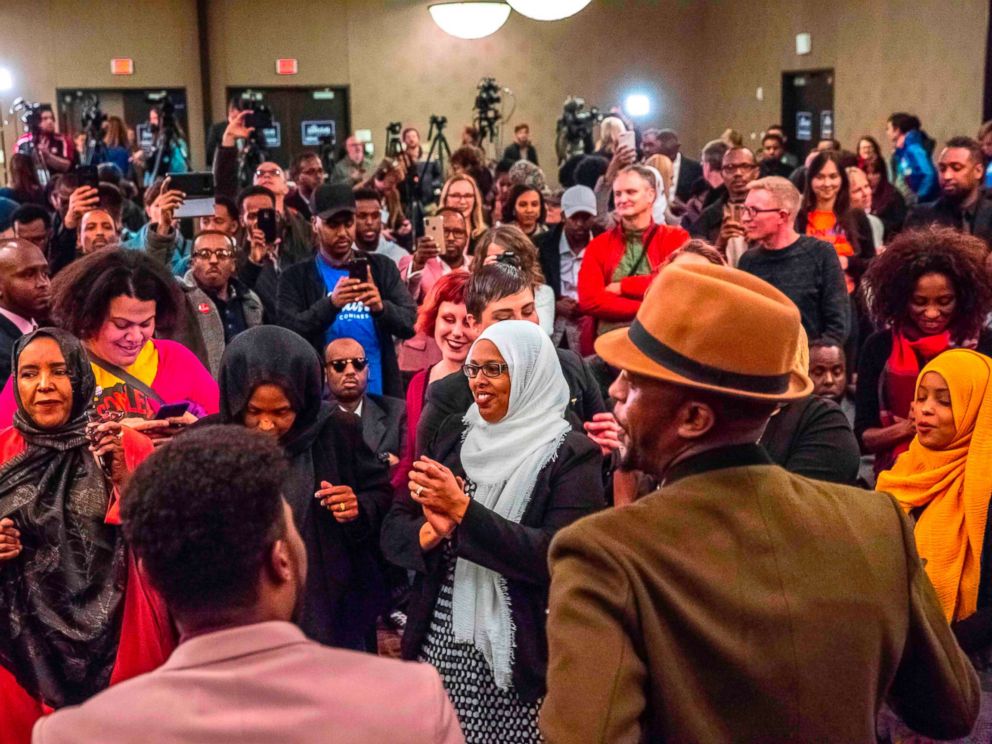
column 487, row 714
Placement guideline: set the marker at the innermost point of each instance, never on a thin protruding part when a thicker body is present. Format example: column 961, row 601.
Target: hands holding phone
column 81, row 201
column 350, row 289
column 163, row 208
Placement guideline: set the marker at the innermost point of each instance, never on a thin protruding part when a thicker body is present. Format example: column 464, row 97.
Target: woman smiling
column 479, row 543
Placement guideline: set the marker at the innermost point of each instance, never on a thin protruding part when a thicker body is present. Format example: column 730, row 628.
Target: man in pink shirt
column 205, row 518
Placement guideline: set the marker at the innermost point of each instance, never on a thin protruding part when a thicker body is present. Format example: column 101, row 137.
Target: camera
column 166, row 110
column 487, row 115
column 30, row 113
column 574, row 128
column 260, row 116
column 92, row 116
column 394, row 146
column 439, row 122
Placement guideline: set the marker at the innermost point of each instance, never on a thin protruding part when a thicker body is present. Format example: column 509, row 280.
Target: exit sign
column 122, row 66
column 287, row 66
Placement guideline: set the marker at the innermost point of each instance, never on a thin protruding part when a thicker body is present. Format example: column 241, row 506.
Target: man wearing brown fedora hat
column 738, row 602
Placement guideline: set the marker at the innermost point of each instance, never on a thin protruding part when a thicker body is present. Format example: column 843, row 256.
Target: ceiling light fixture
column 470, row 20
column 548, row 10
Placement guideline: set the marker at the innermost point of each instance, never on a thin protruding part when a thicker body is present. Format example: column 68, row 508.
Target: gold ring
column 341, row 507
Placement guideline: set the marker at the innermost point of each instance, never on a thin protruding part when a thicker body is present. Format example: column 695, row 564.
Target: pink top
column 180, row 377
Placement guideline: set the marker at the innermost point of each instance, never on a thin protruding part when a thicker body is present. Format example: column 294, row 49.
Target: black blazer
column 813, row 438
column 9, row 333
column 547, row 251
column 384, row 424
column 567, row 488
column 304, row 306
column 689, row 172
column 514, row 153
column 450, row 397
column 943, row 212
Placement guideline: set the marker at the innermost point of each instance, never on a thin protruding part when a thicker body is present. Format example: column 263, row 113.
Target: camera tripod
column 96, row 149
column 164, row 144
column 253, row 155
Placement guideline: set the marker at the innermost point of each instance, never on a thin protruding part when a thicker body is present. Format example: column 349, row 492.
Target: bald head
column 271, row 176
column 24, row 283
column 347, row 382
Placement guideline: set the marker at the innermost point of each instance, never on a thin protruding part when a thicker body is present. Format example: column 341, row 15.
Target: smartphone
column 199, row 191
column 627, row 139
column 735, row 212
column 88, row 175
column 259, row 119
column 171, row 410
column 434, row 229
column 267, row 224
column 358, row 268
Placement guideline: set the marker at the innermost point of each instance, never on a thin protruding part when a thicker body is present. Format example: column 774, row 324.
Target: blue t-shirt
column 353, row 321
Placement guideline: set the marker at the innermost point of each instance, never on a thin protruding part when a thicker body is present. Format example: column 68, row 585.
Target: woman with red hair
column 444, row 318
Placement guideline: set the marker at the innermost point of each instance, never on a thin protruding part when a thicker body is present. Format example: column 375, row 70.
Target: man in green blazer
column 739, row 602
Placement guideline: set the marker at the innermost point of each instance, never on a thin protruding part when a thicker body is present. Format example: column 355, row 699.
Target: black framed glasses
column 489, row 369
column 222, row 254
column 738, row 167
column 340, row 365
column 751, row 211
column 268, row 172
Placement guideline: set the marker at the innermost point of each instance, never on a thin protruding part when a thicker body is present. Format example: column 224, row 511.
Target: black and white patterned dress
column 487, row 714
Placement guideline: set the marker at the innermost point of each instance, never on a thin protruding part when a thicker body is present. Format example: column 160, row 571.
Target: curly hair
column 891, row 278
column 202, row 512
column 83, row 291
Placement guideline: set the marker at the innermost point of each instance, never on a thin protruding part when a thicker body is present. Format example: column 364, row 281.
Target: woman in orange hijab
column 945, row 480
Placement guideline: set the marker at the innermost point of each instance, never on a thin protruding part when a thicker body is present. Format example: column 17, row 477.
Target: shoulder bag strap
column 127, row 377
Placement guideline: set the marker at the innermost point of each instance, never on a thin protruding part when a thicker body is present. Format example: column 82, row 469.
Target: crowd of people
column 678, row 451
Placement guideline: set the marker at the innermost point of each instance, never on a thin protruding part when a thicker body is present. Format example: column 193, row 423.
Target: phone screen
column 627, row 139
column 358, row 269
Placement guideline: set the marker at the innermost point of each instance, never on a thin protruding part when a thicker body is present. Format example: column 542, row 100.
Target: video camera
column 92, row 116
column 574, row 128
column 261, row 115
column 394, row 145
column 30, row 113
column 166, row 110
column 487, row 115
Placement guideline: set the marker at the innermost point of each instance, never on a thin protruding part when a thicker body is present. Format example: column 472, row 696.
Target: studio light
column 470, row 20
column 6, row 79
column 637, row 105
column 548, row 10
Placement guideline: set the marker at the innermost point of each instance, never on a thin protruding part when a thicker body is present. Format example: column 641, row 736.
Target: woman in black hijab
column 74, row 615
column 270, row 379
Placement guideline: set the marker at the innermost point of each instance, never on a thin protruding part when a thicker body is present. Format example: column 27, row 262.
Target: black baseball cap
column 331, row 199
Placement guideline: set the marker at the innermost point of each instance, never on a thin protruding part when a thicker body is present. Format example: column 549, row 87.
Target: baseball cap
column 331, row 199
column 578, row 199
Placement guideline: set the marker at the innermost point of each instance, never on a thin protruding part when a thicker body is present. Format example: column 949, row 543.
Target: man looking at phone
column 720, row 223
column 344, row 293
column 368, row 227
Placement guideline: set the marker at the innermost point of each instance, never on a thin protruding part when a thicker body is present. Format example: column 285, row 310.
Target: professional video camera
column 394, row 145
column 92, row 119
column 574, row 128
column 30, row 113
column 487, row 113
column 255, row 152
column 261, row 115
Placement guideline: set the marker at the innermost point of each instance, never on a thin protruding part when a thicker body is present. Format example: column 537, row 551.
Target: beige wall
column 927, row 57
column 50, row 44
column 700, row 59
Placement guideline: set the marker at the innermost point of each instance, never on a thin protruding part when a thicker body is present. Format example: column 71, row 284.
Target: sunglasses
column 222, row 254
column 340, row 365
column 489, row 369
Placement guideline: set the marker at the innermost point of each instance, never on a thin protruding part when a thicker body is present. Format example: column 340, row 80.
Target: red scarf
column 899, row 389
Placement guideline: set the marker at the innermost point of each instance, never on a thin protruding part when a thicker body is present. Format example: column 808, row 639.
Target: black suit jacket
column 689, row 172
column 943, row 212
column 514, row 153
column 9, row 333
column 384, row 423
column 449, row 398
column 547, row 249
column 304, row 306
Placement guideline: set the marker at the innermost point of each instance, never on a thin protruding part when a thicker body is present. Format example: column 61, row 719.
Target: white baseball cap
column 578, row 199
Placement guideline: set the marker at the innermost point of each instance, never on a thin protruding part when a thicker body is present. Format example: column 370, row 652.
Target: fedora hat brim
column 617, row 350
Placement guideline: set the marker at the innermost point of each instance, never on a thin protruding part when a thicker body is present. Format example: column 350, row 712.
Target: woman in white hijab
column 480, row 543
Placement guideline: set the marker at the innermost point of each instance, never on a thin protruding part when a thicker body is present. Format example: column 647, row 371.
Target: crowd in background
column 452, row 367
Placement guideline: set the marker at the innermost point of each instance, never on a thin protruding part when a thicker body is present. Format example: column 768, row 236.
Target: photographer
column 521, row 149
column 295, row 235
column 354, row 168
column 323, row 299
column 170, row 141
column 55, row 150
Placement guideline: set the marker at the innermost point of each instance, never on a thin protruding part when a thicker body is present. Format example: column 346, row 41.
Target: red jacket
column 601, row 258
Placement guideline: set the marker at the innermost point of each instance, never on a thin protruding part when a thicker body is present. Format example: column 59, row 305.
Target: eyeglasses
column 739, row 168
column 489, row 369
column 462, row 197
column 312, row 171
column 340, row 365
column 751, row 211
column 222, row 254
column 268, row 172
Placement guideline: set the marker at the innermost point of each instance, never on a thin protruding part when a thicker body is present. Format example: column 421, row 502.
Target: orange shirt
column 823, row 225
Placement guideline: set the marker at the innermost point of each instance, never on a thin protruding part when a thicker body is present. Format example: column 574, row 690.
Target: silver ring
column 418, row 491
